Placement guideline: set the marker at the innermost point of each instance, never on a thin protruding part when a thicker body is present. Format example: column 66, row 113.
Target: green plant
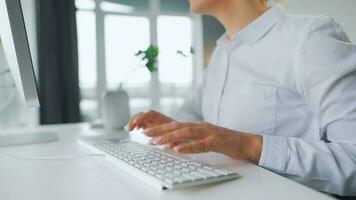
column 150, row 55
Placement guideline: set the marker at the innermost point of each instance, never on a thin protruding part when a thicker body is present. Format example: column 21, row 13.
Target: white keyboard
column 154, row 166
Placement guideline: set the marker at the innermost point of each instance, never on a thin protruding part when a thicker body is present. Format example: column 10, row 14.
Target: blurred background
column 82, row 48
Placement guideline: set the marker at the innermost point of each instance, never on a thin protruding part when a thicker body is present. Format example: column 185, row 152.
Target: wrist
column 252, row 147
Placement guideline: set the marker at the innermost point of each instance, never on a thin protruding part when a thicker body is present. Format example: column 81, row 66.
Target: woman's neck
column 235, row 15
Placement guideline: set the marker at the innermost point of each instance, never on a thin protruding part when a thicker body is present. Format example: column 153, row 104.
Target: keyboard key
column 224, row 172
column 144, row 168
column 151, row 172
column 169, row 181
column 185, row 170
column 182, row 179
column 168, row 175
column 193, row 176
column 210, row 172
column 177, row 172
column 154, row 168
column 160, row 176
column 201, row 174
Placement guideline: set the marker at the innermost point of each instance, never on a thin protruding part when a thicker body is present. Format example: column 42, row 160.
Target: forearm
column 329, row 167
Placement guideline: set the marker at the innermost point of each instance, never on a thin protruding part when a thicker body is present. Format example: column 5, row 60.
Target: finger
column 181, row 135
column 170, row 145
column 197, row 147
column 144, row 118
column 133, row 119
column 139, row 121
column 166, row 128
column 131, row 125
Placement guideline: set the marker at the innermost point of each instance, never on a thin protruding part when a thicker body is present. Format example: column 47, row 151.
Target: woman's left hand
column 204, row 137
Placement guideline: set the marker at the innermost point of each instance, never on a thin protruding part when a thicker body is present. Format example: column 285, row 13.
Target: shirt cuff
column 274, row 153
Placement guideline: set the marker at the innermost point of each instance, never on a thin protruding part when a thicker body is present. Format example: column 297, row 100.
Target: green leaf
column 191, row 51
column 180, row 52
column 151, row 55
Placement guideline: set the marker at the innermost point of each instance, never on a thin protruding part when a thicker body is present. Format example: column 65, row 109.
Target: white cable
column 62, row 157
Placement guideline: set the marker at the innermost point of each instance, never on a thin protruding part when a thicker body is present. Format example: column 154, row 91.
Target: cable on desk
column 63, row 157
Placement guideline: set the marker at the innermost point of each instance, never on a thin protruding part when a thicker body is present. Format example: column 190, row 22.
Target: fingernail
column 156, row 141
column 176, row 149
column 150, row 142
column 147, row 131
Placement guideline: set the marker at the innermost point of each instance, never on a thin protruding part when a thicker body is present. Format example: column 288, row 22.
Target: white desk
column 93, row 178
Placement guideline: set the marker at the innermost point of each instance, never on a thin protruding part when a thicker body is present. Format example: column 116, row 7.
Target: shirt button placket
column 222, row 90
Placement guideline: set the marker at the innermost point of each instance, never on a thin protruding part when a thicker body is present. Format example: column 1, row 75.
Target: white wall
column 343, row 11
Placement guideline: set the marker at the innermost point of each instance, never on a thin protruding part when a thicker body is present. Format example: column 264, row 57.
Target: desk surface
column 90, row 178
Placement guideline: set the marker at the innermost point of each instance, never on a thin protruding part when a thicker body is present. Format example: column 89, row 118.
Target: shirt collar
column 258, row 28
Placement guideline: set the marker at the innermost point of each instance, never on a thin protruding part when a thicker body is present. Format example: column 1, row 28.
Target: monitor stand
column 22, row 138
column 12, row 138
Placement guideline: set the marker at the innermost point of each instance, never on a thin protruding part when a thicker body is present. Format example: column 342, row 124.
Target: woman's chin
column 198, row 10
column 203, row 6
column 193, row 9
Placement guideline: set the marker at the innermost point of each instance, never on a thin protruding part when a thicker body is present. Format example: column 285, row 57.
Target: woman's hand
column 204, row 137
column 148, row 120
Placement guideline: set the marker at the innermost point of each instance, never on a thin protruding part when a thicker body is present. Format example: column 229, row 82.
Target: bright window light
column 175, row 34
column 116, row 7
column 124, row 37
column 86, row 49
column 85, row 4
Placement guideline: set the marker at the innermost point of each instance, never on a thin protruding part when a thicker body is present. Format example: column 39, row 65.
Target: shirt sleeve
column 326, row 74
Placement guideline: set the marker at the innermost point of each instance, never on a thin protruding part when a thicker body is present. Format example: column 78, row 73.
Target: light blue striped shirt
column 291, row 79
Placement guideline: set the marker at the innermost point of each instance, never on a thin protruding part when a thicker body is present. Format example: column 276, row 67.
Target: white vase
column 115, row 109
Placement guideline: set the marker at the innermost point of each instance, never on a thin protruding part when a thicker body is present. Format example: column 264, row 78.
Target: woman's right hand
column 147, row 120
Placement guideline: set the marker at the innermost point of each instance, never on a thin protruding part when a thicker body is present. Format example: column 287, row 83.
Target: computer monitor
column 16, row 48
column 17, row 51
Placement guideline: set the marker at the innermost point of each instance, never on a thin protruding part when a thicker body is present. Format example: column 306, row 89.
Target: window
column 110, row 32
column 175, row 69
column 86, row 28
column 124, row 36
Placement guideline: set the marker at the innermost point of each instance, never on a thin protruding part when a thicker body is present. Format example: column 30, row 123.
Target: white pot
column 115, row 109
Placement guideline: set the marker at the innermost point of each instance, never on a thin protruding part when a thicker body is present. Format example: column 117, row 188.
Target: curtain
column 58, row 62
